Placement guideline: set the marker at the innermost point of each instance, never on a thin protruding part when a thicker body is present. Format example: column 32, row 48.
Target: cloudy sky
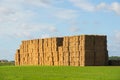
column 29, row 19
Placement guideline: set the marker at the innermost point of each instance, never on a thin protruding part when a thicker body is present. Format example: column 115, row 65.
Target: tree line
column 114, row 58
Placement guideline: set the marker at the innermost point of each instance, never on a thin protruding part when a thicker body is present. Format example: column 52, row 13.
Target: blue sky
column 29, row 19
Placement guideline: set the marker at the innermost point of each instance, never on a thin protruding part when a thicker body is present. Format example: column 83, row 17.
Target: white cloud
column 13, row 11
column 83, row 4
column 23, row 35
column 115, row 6
column 15, row 20
column 16, row 17
column 27, row 30
column 101, row 6
column 87, row 6
column 43, row 3
column 65, row 14
column 74, row 29
column 52, row 29
column 5, row 11
column 40, row 3
column 45, row 36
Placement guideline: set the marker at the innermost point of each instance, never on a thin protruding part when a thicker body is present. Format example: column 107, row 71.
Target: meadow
column 59, row 73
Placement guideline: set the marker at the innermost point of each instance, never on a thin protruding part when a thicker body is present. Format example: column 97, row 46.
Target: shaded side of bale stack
column 93, row 50
column 101, row 53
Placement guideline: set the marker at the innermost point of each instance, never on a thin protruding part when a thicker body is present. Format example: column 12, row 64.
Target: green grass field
column 59, row 73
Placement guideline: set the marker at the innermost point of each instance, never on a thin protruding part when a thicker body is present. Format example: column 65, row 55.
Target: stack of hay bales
column 61, row 56
column 74, row 51
column 35, row 51
column 41, row 52
column 30, row 52
column 48, row 51
column 56, row 43
column 83, row 50
column 65, row 52
column 55, row 51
